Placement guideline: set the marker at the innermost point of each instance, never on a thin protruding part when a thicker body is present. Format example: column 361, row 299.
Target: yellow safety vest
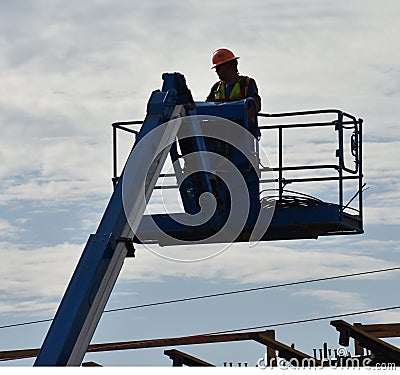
column 238, row 92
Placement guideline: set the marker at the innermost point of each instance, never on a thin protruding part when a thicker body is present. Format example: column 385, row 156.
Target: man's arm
column 252, row 92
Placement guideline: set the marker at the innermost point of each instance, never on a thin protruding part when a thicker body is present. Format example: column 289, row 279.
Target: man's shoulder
column 246, row 80
column 250, row 84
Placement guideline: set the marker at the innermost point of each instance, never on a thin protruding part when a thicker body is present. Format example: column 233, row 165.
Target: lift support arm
column 99, row 266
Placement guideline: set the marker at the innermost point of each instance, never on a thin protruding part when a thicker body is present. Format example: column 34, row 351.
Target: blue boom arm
column 102, row 259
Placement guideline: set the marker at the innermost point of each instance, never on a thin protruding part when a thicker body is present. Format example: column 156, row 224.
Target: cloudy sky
column 70, row 69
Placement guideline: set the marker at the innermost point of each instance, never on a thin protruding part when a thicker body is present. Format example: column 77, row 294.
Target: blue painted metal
column 291, row 222
column 102, row 258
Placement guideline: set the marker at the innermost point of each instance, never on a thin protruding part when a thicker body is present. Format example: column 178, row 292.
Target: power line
column 151, row 342
column 307, row 320
column 253, row 289
column 274, row 286
column 185, row 340
column 26, row 323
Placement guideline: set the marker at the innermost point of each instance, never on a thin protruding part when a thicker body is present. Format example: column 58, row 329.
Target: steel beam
column 286, row 351
column 383, row 351
column 180, row 358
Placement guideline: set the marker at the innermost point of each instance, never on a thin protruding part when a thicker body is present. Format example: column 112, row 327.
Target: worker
column 231, row 85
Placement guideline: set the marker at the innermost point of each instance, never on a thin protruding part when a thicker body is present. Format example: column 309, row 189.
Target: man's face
column 223, row 71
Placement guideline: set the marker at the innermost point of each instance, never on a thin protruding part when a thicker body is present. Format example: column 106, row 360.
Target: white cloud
column 264, row 263
column 66, row 75
column 390, row 316
column 42, row 274
column 34, row 279
column 339, row 300
column 84, row 75
column 8, row 231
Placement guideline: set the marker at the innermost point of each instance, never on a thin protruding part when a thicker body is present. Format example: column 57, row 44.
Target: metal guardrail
column 342, row 122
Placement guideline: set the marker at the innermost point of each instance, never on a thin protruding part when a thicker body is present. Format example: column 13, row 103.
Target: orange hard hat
column 221, row 56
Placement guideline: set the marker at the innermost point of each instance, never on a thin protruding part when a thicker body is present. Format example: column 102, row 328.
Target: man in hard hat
column 231, row 85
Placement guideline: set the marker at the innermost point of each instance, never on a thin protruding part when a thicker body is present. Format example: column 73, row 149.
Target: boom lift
column 214, row 149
